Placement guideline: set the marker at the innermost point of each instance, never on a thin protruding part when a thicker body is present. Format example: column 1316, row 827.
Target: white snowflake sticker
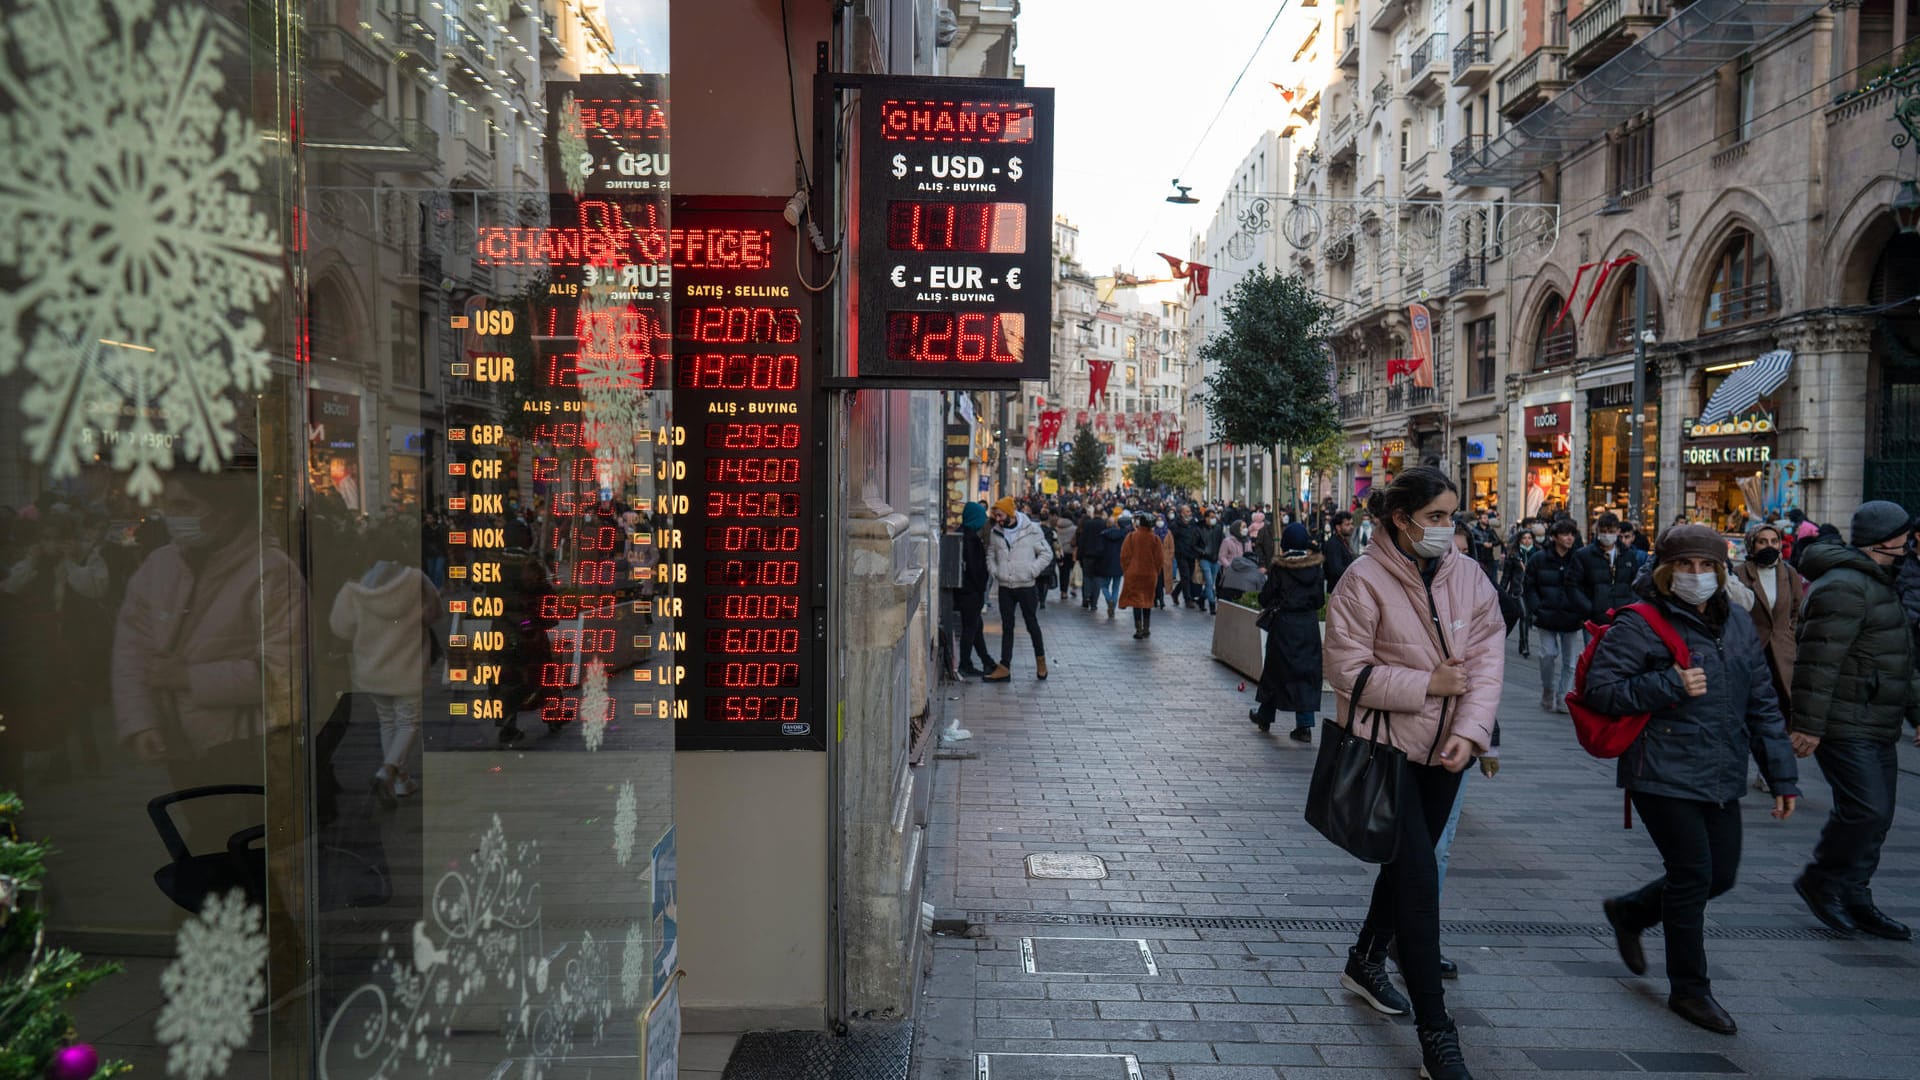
column 595, row 705
column 212, row 987
column 626, row 822
column 633, row 966
column 127, row 217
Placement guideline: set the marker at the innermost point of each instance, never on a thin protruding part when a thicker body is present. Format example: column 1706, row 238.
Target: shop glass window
column 1743, row 288
column 1553, row 345
column 1480, row 357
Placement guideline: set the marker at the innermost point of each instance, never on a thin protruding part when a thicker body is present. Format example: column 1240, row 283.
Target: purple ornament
column 76, row 1062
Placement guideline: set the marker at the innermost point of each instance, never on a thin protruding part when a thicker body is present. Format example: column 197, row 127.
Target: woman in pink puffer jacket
column 1427, row 620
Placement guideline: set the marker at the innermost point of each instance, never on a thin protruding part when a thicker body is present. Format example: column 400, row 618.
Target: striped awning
column 1746, row 386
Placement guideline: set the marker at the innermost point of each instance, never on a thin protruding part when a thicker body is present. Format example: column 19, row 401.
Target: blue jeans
column 1558, row 652
column 1110, row 588
column 1445, row 844
column 1210, row 571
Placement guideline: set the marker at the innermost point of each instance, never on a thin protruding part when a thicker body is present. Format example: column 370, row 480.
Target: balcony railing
column 1469, row 274
column 1349, row 47
column 1606, row 27
column 1353, row 406
column 1404, row 395
column 420, row 41
column 1731, row 307
column 420, row 136
column 1555, row 348
column 550, row 46
column 1468, row 147
column 1533, row 81
column 1621, row 339
column 1473, row 50
column 355, row 68
column 1431, row 52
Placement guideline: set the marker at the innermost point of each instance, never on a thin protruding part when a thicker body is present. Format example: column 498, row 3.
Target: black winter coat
column 1107, row 563
column 1210, row 537
column 1186, row 539
column 1853, row 668
column 1339, row 557
column 973, row 568
column 1608, row 584
column 1555, row 596
column 1907, row 581
column 1694, row 747
column 1296, row 588
column 1513, row 572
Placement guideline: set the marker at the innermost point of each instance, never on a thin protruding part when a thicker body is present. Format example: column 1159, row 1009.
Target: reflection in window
column 1553, row 339
column 1743, row 288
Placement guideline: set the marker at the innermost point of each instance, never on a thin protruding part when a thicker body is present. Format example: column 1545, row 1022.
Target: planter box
column 1238, row 641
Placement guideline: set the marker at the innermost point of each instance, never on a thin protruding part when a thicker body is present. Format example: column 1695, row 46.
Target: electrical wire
column 1244, row 68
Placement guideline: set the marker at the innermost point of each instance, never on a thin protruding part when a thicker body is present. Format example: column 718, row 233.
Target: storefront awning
column 1746, row 386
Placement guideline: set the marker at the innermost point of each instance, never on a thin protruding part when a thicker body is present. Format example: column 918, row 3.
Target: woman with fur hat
column 1686, row 772
column 1290, row 606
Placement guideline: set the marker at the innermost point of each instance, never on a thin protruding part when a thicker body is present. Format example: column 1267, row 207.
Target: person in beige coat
column 1777, row 592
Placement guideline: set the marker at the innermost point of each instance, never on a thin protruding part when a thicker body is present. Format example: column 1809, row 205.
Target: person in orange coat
column 1141, row 557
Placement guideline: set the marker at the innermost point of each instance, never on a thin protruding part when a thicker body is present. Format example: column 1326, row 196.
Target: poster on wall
column 666, row 913
column 660, row 1034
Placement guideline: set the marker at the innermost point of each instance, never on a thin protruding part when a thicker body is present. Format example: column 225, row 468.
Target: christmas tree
column 37, row 1039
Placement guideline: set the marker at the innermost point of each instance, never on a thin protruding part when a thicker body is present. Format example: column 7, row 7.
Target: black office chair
column 189, row 879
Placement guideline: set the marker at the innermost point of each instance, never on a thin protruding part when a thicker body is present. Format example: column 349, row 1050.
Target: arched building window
column 1553, row 344
column 1743, row 288
column 1621, row 313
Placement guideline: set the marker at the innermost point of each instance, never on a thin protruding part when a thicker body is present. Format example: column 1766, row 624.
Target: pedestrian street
column 1212, row 948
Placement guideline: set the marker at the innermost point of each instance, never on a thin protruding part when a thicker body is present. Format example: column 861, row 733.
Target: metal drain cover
column 1056, row 1067
column 1087, row 956
column 1067, row 866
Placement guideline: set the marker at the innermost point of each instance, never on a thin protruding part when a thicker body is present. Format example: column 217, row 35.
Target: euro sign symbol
column 1013, row 278
column 1014, row 171
column 899, row 277
column 899, row 166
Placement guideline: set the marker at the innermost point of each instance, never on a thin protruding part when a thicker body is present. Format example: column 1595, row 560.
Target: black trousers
column 1699, row 844
column 1406, row 894
column 973, row 632
column 1028, row 600
column 1183, row 588
column 1526, row 617
column 1143, row 618
column 1863, row 776
column 1066, row 575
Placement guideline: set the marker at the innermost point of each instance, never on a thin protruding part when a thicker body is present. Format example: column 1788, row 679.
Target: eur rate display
column 956, row 212
column 744, row 403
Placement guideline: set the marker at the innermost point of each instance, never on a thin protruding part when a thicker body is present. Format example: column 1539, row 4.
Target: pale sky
column 1136, row 82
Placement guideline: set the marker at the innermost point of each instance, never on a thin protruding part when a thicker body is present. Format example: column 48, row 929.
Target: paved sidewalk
column 1140, row 753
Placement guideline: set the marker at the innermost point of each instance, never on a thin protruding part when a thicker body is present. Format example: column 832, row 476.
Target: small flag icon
column 642, row 539
column 643, row 573
column 456, row 538
column 456, row 641
column 458, row 322
column 643, row 607
column 642, row 675
column 456, row 468
column 457, row 503
column 643, row 709
column 643, row 641
column 456, row 607
column 462, row 369
column 458, row 674
column 457, row 572
column 456, row 708
column 458, row 434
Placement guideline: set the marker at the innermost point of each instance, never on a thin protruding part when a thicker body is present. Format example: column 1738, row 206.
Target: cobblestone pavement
column 1140, row 753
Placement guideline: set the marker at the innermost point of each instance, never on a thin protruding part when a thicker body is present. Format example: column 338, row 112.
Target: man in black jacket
column 1338, row 549
column 1557, row 602
column 1854, row 684
column 1186, row 551
column 1607, row 569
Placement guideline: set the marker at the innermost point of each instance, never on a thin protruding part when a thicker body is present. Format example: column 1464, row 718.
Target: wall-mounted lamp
column 1906, row 207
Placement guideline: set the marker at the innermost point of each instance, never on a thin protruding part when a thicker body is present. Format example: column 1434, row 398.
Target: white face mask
column 1434, row 542
column 1608, row 539
column 186, row 531
column 1696, row 588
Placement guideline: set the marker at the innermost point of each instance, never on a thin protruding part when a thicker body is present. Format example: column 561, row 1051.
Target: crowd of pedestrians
column 1799, row 640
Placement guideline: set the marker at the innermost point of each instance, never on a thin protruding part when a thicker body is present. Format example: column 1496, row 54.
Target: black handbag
column 1359, row 785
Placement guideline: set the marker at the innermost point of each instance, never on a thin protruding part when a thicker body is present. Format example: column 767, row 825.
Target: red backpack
column 1600, row 734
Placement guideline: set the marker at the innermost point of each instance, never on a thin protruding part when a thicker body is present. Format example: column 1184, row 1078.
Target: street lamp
column 1182, row 194
column 1906, row 207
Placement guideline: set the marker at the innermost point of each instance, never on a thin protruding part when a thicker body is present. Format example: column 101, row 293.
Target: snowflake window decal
column 128, row 218
column 212, row 987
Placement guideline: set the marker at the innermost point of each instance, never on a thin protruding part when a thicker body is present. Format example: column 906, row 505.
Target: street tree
column 1141, row 473
column 1326, row 457
column 1270, row 385
column 1087, row 460
column 1179, row 472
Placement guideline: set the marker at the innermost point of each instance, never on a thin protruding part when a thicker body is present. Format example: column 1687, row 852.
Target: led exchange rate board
column 955, row 221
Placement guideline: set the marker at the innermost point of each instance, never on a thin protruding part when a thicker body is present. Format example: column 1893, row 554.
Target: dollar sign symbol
column 1014, row 171
column 899, row 166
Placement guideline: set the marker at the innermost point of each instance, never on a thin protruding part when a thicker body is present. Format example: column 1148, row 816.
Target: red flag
column 1571, row 293
column 1178, row 266
column 1601, row 282
column 1400, row 366
column 1173, row 441
column 1098, row 372
column 1198, row 282
column 1050, row 426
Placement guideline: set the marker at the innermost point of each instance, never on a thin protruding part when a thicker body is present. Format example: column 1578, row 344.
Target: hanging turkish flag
column 1173, row 441
column 1033, row 445
column 1179, row 267
column 1400, row 367
column 1567, row 305
column 1050, row 426
column 1601, row 282
column 1198, row 282
column 1080, row 418
column 1098, row 372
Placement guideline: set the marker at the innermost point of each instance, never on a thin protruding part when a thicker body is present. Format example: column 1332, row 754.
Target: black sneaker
column 1301, row 734
column 1440, row 1056
column 1368, row 978
column 1871, row 920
